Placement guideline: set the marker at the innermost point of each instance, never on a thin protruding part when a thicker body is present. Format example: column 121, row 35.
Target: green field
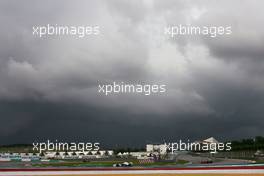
column 102, row 163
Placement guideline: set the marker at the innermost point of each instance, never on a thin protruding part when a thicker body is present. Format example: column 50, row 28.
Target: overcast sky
column 49, row 87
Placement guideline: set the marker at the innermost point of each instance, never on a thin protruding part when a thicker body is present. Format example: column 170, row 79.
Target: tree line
column 256, row 143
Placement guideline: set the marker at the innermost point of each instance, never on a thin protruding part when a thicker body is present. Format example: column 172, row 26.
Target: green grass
column 79, row 164
column 260, row 161
column 102, row 163
column 163, row 163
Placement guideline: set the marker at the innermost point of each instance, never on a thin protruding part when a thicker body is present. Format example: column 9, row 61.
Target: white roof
column 211, row 140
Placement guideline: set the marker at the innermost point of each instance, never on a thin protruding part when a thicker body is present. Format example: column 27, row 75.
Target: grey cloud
column 213, row 84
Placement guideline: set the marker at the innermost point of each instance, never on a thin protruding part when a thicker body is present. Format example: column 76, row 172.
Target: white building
column 156, row 148
column 78, row 154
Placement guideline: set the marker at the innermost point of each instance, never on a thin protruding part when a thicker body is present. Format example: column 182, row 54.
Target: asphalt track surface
column 205, row 171
column 153, row 174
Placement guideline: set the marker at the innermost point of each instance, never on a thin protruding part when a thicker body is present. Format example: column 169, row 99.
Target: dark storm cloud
column 48, row 87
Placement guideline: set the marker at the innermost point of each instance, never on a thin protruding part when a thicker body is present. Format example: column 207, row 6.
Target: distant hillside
column 16, row 148
column 256, row 143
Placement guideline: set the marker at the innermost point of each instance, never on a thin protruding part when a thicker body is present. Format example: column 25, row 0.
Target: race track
column 197, row 171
